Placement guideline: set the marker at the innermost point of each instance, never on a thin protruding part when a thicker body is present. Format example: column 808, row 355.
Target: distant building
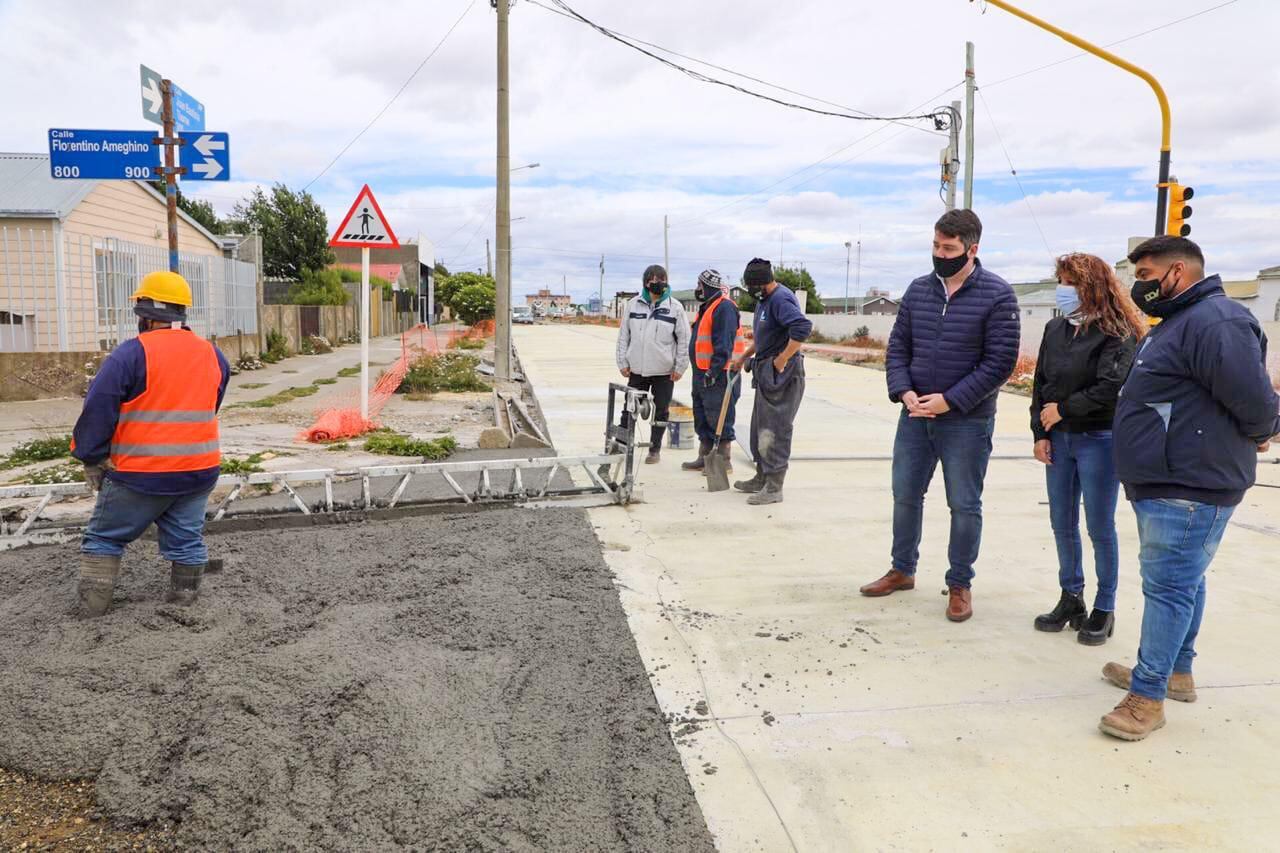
column 1037, row 300
column 690, row 301
column 876, row 302
column 545, row 302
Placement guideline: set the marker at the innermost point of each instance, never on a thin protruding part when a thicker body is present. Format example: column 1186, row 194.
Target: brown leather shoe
column 959, row 604
column 1134, row 718
column 1182, row 687
column 890, row 583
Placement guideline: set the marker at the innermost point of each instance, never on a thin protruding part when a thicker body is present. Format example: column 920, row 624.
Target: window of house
column 115, row 279
column 10, row 319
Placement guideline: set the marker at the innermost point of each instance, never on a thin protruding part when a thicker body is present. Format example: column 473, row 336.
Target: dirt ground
column 416, row 683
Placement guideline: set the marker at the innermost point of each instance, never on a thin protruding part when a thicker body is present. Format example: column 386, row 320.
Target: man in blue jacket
column 1194, row 413
column 715, row 341
column 953, row 345
column 778, row 329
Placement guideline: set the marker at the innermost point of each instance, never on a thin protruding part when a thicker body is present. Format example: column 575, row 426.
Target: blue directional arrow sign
column 103, row 154
column 188, row 113
column 206, row 156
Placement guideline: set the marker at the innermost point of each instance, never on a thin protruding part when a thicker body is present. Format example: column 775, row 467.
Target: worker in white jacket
column 653, row 349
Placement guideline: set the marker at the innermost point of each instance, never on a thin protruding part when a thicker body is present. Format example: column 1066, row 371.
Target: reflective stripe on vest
column 703, row 348
column 172, row 425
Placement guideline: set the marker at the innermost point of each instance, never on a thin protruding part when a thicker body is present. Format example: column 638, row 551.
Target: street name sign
column 188, row 113
column 103, row 154
column 206, row 156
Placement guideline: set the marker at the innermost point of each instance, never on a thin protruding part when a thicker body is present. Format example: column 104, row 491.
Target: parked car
column 521, row 315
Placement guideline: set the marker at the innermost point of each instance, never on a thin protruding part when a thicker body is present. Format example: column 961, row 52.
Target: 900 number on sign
column 143, row 172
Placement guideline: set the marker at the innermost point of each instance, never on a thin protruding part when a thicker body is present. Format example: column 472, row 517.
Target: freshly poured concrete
column 837, row 722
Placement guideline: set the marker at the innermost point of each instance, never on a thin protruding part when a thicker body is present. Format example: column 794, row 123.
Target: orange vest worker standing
column 716, row 342
column 148, row 438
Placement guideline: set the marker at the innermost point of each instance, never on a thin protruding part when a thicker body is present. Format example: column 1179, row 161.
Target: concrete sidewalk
column 811, row 718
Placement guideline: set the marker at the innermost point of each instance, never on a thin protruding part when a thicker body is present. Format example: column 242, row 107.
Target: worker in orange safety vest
column 716, row 341
column 148, row 438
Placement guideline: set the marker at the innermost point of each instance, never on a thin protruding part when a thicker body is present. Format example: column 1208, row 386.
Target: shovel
column 717, row 476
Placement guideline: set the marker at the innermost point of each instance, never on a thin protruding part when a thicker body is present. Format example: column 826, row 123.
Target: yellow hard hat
column 164, row 286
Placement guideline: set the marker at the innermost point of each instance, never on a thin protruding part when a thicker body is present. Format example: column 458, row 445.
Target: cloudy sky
column 623, row 140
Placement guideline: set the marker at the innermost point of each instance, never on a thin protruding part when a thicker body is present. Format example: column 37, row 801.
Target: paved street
column 837, row 722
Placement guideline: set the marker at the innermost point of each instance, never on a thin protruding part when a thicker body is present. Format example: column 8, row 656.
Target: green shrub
column 67, row 472
column 449, row 371
column 475, row 302
column 395, row 444
column 862, row 332
column 353, row 277
column 469, row 343
column 37, row 450
column 277, row 347
column 349, row 371
column 247, row 465
column 325, row 382
column 319, row 287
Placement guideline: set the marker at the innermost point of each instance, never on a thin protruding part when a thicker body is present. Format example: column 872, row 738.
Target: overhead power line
column 940, row 119
column 741, row 74
column 388, row 104
column 991, row 118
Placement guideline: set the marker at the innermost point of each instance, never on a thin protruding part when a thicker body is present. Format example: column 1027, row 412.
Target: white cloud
column 624, row 140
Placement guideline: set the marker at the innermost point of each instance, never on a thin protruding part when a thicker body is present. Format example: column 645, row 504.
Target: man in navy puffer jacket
column 953, row 345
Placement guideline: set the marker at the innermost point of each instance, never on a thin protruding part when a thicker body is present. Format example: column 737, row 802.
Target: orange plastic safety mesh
column 339, row 414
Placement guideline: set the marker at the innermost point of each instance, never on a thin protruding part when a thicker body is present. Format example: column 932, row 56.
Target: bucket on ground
column 680, row 434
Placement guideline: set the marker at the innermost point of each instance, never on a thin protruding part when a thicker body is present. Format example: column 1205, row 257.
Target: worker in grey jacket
column 653, row 349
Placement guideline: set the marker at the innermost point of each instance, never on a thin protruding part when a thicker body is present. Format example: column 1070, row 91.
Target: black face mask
column 656, row 287
column 700, row 293
column 947, row 267
column 1147, row 295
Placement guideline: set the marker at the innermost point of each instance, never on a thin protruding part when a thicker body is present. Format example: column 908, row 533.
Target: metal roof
column 28, row 190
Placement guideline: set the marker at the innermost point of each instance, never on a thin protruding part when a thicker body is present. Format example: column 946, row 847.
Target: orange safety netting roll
column 339, row 416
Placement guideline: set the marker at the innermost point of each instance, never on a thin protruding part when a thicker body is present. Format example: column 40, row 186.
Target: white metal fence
column 69, row 292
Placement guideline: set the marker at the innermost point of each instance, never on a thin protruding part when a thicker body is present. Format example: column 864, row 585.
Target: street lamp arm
column 1166, row 120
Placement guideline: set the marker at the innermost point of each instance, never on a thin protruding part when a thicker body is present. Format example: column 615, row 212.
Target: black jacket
column 1081, row 369
column 1197, row 403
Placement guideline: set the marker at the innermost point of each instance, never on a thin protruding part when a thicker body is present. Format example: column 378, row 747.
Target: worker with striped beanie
column 716, row 341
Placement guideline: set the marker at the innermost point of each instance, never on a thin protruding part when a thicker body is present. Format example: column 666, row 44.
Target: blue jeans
column 1178, row 539
column 963, row 446
column 122, row 514
column 1082, row 463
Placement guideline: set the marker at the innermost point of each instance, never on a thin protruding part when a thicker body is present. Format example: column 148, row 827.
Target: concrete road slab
column 811, row 718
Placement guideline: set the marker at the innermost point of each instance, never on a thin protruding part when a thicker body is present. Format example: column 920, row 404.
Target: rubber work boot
column 1134, row 718
column 1181, row 687
column 654, row 456
column 97, row 582
column 726, row 450
column 184, row 584
column 771, row 493
column 1098, row 628
column 892, row 582
column 753, row 485
column 704, row 447
column 1070, row 610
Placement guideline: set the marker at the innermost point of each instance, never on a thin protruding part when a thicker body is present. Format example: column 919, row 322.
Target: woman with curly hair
column 1084, row 359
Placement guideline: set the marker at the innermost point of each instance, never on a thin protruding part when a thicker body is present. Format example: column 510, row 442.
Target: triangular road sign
column 364, row 225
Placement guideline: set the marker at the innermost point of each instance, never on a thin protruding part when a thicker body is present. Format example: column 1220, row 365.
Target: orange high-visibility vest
column 173, row 424
column 702, row 347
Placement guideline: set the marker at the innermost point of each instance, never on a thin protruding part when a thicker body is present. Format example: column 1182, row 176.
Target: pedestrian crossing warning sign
column 365, row 226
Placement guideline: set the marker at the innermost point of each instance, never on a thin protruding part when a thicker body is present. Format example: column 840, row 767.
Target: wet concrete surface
column 417, row 683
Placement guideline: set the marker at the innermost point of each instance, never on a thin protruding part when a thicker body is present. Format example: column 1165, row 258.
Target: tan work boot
column 1182, row 687
column 892, row 582
column 1134, row 718
column 959, row 604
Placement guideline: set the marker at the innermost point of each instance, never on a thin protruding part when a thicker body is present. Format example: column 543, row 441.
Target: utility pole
column 951, row 164
column 666, row 246
column 502, row 302
column 782, row 236
column 488, row 258
column 857, row 282
column 1166, row 121
column 170, row 171
column 847, row 246
column 602, row 285
column 969, row 86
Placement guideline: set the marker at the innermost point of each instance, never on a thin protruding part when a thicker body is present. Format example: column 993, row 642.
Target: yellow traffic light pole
column 1162, row 188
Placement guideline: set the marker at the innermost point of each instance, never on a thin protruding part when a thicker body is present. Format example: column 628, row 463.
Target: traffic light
column 1179, row 210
